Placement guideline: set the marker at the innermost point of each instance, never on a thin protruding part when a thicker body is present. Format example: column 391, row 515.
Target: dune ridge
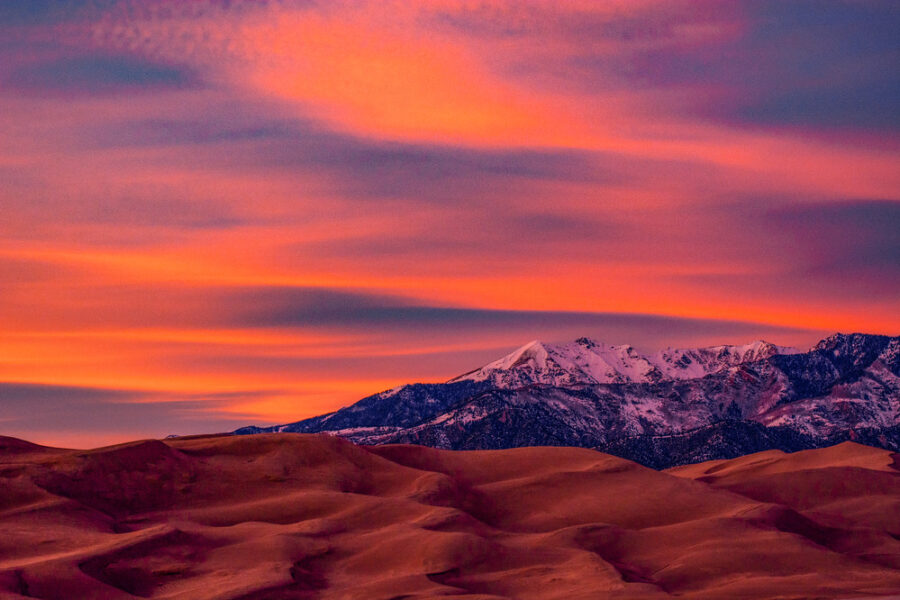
column 303, row 516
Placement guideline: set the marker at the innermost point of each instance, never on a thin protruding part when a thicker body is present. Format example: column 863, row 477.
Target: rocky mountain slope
column 589, row 394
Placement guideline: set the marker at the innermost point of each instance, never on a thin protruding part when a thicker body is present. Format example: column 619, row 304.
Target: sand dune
column 293, row 516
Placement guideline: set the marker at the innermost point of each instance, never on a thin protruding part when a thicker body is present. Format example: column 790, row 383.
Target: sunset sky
column 221, row 213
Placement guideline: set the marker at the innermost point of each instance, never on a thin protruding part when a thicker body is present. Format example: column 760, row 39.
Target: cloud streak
column 95, row 74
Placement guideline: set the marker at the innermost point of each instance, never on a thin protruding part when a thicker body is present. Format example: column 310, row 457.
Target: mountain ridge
column 588, row 361
column 546, row 394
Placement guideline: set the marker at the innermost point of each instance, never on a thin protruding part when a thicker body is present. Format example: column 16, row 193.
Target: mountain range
column 671, row 407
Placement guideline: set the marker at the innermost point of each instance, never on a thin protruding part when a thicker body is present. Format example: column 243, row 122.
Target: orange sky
column 215, row 214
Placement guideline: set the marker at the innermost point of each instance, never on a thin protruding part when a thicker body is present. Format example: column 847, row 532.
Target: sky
column 218, row 213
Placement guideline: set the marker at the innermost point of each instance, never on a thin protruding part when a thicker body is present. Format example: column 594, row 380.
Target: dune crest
column 295, row 516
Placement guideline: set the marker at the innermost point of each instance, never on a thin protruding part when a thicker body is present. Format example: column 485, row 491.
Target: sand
column 293, row 516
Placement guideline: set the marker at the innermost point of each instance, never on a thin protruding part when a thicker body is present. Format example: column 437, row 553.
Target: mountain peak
column 533, row 350
column 845, row 340
column 532, row 346
column 587, row 342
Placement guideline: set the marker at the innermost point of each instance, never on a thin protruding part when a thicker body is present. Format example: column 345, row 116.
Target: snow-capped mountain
column 586, row 361
column 664, row 408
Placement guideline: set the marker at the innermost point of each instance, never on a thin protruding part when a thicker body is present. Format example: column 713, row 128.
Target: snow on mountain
column 588, row 362
column 691, row 363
